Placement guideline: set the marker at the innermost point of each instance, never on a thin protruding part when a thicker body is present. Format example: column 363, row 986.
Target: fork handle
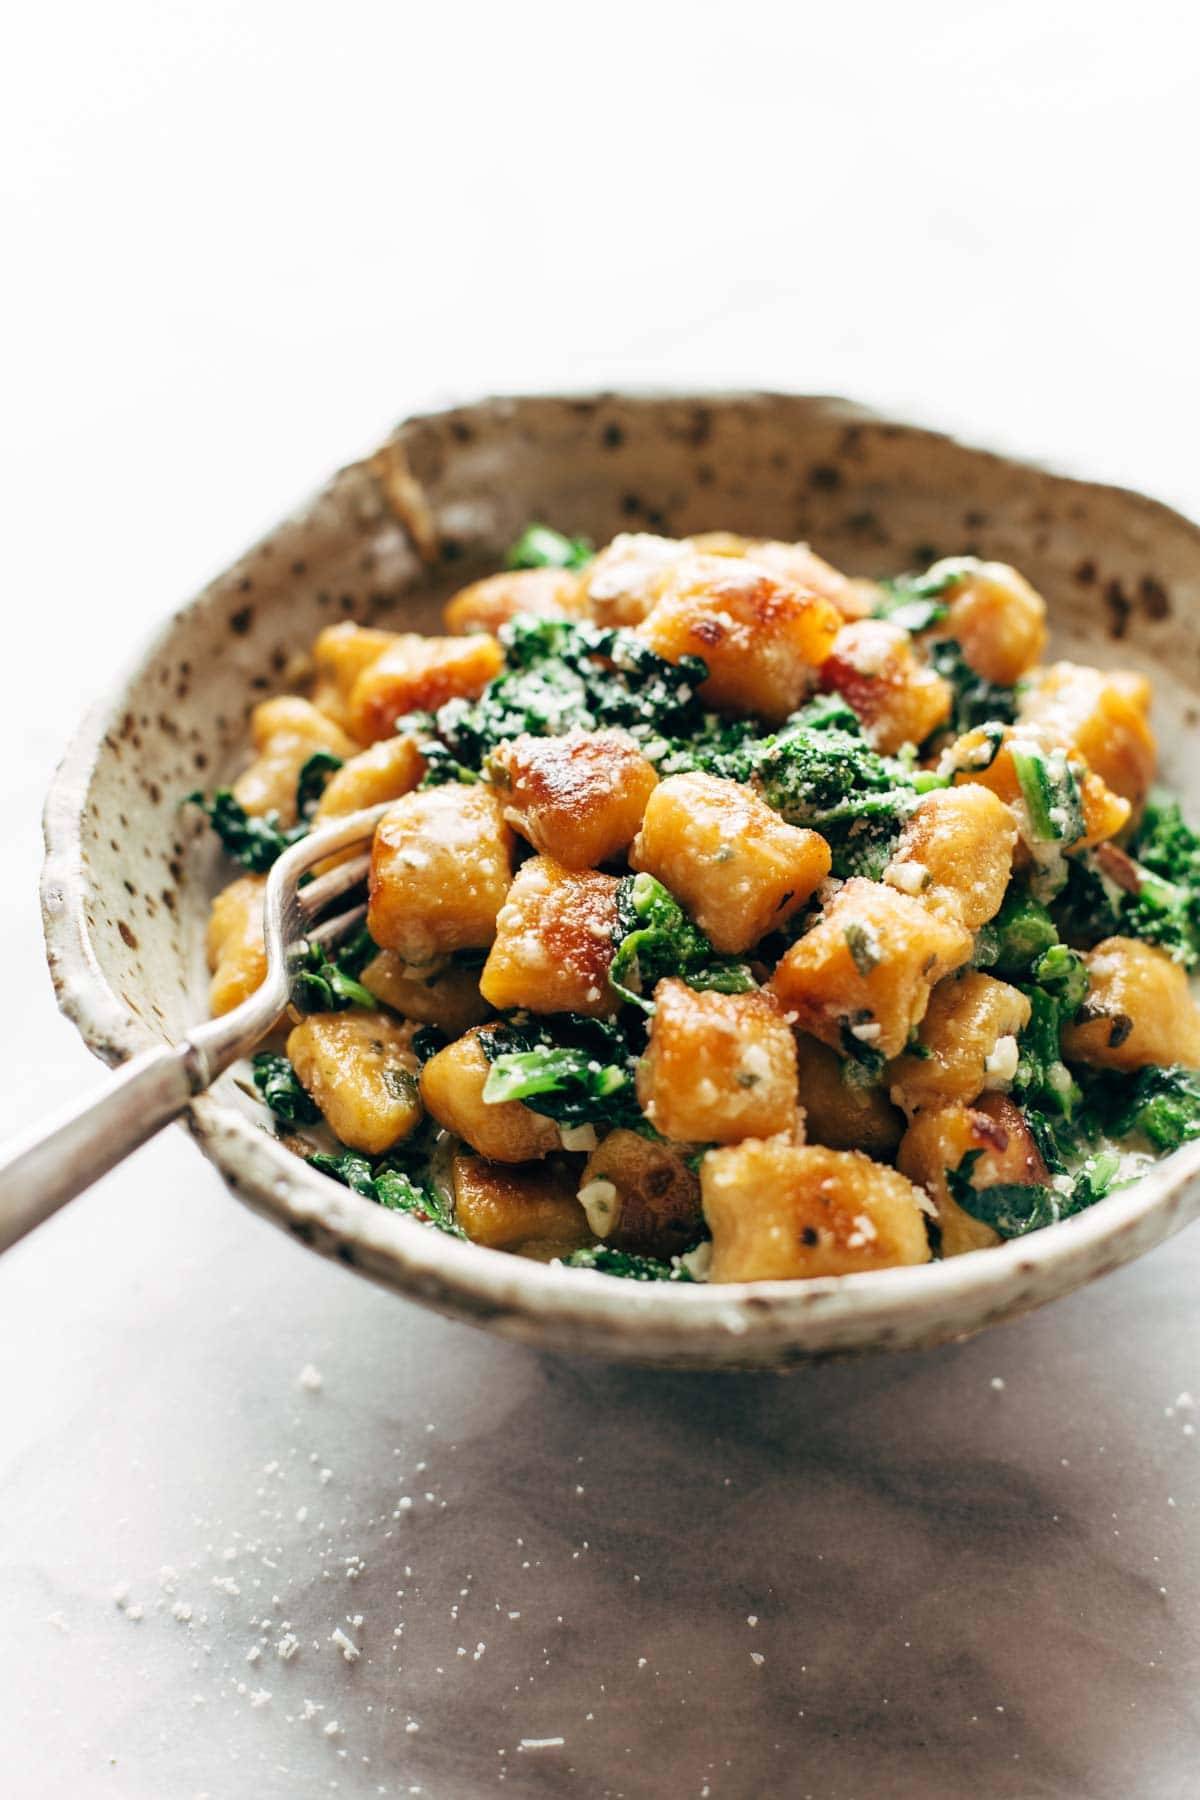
column 49, row 1166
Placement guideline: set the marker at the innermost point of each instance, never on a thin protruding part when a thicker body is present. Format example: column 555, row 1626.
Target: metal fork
column 42, row 1171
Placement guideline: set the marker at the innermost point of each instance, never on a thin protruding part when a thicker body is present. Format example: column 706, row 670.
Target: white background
column 239, row 241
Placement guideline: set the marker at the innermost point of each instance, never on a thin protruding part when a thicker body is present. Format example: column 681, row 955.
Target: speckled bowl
column 128, row 877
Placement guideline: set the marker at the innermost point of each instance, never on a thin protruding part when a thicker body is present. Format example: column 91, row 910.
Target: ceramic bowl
column 128, row 876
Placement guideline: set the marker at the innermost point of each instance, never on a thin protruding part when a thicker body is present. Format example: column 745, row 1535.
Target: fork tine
column 331, row 931
column 332, row 885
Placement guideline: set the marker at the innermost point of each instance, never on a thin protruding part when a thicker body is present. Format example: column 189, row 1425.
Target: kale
column 1160, row 1105
column 1010, row 1208
column 329, row 984
column 1109, row 892
column 917, row 601
column 715, row 746
column 1162, row 913
column 828, row 712
column 976, row 701
column 1050, row 790
column 279, row 1085
column 1166, row 844
column 350, row 1168
column 390, row 1186
column 562, row 674
column 253, row 841
column 257, row 841
column 1062, row 974
column 574, row 1070
column 427, row 1040
column 1011, row 943
column 655, row 938
column 313, row 779
column 1089, row 907
column 1042, row 1077
column 608, row 1261
column 1013, row 1209
column 541, row 547
column 831, row 780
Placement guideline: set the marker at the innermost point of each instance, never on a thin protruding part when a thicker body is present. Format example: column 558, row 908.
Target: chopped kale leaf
column 1021, row 931
column 279, row 1085
column 1159, row 1105
column 574, row 1070
column 1050, row 790
column 976, row 701
column 1013, row 1209
column 562, row 674
column 325, row 983
column 253, row 841
column 313, row 779
column 390, row 1186
column 541, row 547
column 656, row 938
column 607, row 1261
column 257, row 841
column 1152, row 892
column 918, row 601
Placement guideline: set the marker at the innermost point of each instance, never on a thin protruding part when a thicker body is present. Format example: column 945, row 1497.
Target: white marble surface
column 241, row 239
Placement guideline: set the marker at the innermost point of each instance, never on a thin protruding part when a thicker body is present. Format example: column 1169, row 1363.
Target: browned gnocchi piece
column 441, row 864
column 237, row 953
column 555, row 939
column 967, row 1042
column 761, row 637
column 528, row 1210
column 996, row 617
column 938, row 1140
column 735, row 865
column 507, row 1131
column 286, row 732
column 1102, row 716
column 340, row 655
column 419, row 674
column 874, row 668
column 795, row 562
column 641, row 1195
column 956, row 853
column 1138, row 1011
column 860, row 979
column 782, row 1211
column 839, row 1112
column 434, row 993
column 488, row 604
column 359, row 1068
column 385, row 771
column 578, row 798
column 718, row 1067
column 622, row 583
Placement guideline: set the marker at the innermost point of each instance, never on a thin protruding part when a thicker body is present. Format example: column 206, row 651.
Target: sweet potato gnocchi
column 731, row 918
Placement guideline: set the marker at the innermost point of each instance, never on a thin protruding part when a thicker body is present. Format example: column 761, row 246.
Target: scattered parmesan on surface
column 311, row 1379
column 598, row 1199
column 347, row 1646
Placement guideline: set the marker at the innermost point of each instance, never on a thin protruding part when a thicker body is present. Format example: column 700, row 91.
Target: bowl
column 128, row 876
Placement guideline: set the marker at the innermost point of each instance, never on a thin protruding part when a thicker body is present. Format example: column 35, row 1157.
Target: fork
column 42, row 1171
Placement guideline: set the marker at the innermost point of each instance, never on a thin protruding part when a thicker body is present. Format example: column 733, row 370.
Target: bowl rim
column 539, row 1301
